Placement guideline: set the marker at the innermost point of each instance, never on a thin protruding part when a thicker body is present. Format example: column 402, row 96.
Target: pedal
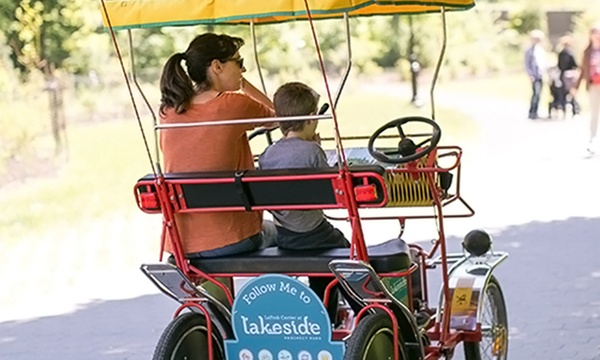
column 360, row 281
column 172, row 282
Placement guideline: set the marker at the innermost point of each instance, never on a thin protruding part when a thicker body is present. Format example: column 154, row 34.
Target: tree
column 41, row 37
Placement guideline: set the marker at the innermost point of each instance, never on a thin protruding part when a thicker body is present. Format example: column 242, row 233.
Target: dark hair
column 178, row 86
column 294, row 99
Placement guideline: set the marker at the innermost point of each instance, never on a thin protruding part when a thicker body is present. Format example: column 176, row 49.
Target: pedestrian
column 590, row 74
column 568, row 73
column 535, row 65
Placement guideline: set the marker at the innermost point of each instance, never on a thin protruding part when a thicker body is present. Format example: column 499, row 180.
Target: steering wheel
column 262, row 131
column 407, row 150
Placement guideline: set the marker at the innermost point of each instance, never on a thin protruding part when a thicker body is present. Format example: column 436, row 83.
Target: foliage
column 66, row 37
column 527, row 20
column 41, row 32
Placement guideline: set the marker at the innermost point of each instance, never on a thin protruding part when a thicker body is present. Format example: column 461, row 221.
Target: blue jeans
column 264, row 239
column 536, row 86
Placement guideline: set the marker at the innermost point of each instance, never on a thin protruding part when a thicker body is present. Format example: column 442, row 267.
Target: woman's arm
column 584, row 73
column 256, row 94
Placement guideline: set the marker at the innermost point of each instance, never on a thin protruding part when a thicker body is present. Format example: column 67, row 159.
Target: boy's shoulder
column 297, row 144
column 293, row 153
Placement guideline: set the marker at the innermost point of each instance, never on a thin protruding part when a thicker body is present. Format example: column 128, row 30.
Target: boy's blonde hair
column 294, row 99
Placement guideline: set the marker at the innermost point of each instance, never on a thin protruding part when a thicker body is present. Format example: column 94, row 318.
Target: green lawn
column 104, row 162
column 107, row 158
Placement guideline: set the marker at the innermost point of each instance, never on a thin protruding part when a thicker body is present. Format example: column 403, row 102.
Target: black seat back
column 282, row 189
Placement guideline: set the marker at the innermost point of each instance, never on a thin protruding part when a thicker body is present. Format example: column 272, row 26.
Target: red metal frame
column 392, row 316
column 170, row 202
column 175, row 193
column 208, row 322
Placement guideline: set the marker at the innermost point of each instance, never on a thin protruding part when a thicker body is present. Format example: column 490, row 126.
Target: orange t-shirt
column 212, row 148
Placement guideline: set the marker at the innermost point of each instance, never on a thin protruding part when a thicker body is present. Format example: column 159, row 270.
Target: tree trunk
column 57, row 115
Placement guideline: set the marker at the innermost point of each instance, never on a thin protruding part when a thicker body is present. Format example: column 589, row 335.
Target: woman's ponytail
column 176, row 86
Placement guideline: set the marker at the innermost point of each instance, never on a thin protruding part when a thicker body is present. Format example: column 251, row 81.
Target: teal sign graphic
column 276, row 317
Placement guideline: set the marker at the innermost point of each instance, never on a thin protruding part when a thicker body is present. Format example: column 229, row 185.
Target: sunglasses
column 239, row 61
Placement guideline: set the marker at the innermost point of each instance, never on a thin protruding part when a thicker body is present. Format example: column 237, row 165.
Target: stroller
column 558, row 92
column 560, row 87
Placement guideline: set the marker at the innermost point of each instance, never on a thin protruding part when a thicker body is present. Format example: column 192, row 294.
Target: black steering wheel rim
column 262, row 131
column 397, row 123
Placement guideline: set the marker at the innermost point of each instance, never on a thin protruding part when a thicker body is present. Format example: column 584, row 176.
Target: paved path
column 82, row 296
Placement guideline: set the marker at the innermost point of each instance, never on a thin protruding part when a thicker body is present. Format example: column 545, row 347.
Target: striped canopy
column 126, row 14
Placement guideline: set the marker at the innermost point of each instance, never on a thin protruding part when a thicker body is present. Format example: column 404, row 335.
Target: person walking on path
column 590, row 74
column 568, row 73
column 535, row 65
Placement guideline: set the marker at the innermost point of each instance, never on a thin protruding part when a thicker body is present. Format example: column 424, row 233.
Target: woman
column 568, row 74
column 209, row 90
column 590, row 73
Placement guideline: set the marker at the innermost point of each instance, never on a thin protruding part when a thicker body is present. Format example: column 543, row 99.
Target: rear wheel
column 494, row 327
column 186, row 338
column 373, row 339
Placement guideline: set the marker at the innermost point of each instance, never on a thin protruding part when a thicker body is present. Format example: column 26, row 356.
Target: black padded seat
column 390, row 256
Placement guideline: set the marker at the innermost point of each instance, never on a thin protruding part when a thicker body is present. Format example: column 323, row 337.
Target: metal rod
column 338, row 92
column 128, row 83
column 359, row 137
column 258, row 68
column 148, row 105
column 243, row 121
column 256, row 59
column 439, row 63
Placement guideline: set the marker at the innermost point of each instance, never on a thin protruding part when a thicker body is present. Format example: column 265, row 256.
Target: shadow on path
column 551, row 282
column 119, row 329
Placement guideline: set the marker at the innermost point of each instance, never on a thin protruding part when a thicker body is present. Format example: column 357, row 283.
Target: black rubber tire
column 373, row 339
column 494, row 306
column 185, row 338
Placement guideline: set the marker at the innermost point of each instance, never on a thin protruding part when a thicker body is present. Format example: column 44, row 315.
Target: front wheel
column 186, row 338
column 494, row 327
column 373, row 339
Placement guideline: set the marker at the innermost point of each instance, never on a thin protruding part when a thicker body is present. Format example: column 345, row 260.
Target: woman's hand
column 573, row 91
column 317, row 138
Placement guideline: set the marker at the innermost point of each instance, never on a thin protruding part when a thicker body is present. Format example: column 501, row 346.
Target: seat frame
column 284, row 189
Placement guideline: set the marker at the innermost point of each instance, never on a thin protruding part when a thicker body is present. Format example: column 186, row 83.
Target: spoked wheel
column 373, row 339
column 494, row 327
column 186, row 338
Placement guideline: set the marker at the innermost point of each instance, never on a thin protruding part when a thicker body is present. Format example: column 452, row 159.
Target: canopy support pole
column 256, row 59
column 258, row 68
column 338, row 92
column 139, row 88
column 439, row 62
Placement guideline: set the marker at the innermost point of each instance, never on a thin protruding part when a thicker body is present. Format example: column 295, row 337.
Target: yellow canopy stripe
column 126, row 14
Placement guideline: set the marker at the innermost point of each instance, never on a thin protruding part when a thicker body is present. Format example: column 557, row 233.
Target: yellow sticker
column 461, row 301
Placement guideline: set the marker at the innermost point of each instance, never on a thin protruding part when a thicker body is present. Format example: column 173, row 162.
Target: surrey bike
column 275, row 316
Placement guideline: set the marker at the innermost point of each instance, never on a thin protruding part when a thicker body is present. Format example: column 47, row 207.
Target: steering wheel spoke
column 400, row 131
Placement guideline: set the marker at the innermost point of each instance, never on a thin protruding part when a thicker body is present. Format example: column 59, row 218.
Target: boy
column 299, row 148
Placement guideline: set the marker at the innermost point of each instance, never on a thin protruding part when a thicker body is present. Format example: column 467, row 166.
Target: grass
column 106, row 158
column 97, row 180
column 361, row 113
